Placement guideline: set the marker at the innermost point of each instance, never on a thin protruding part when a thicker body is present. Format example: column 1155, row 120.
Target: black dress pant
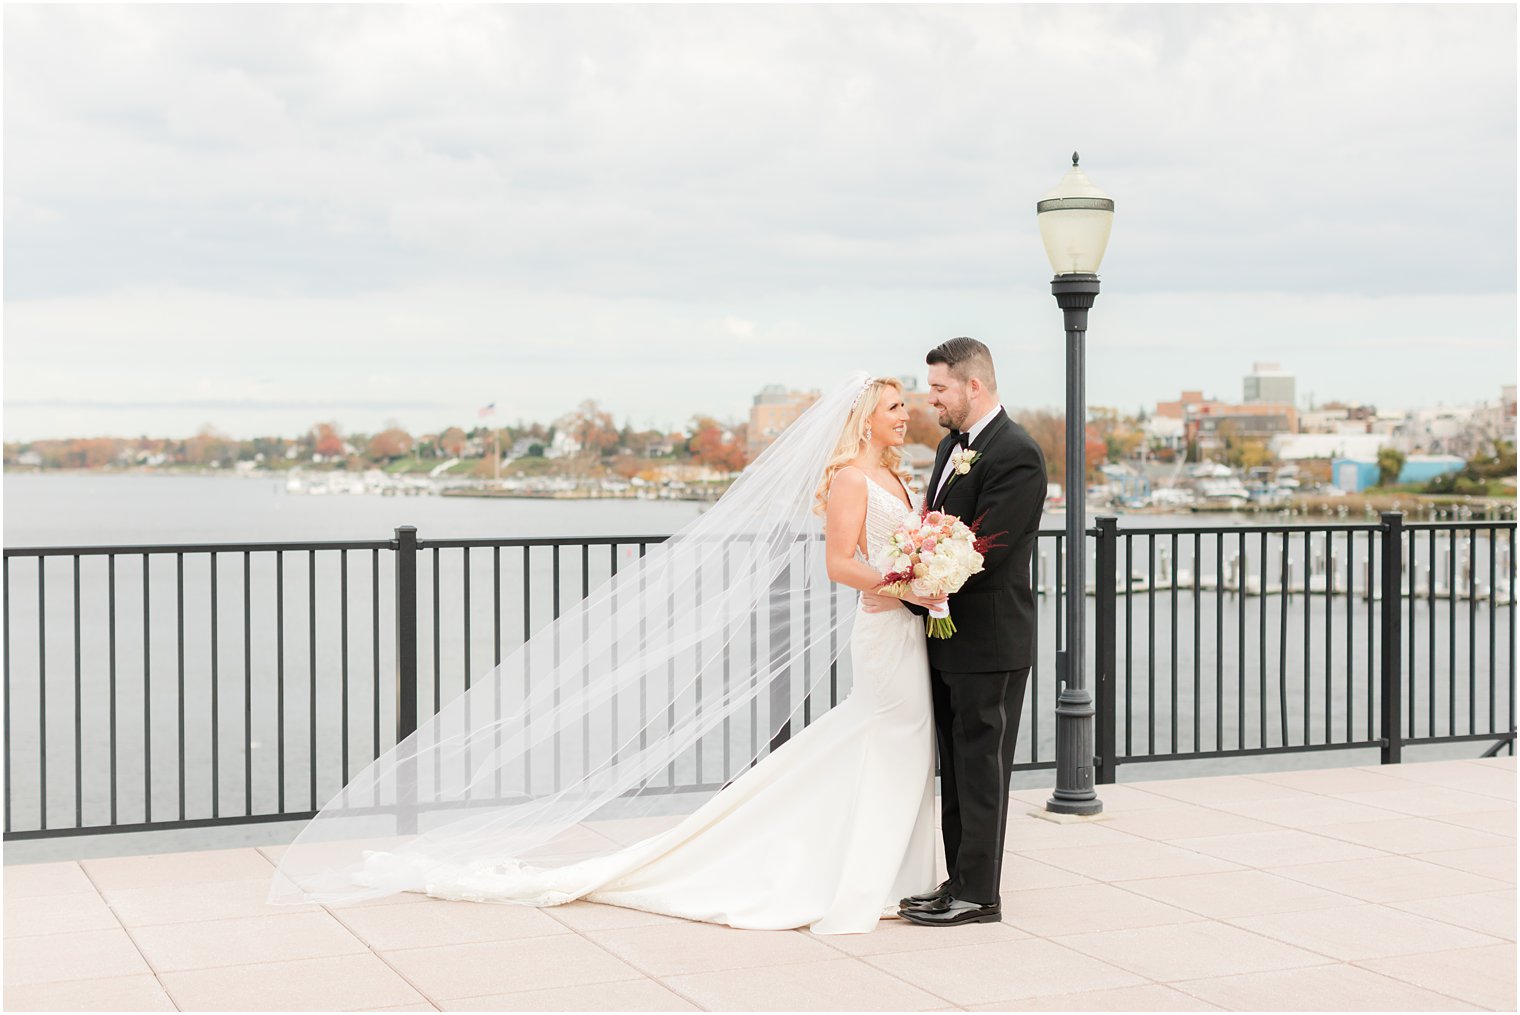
column 976, row 723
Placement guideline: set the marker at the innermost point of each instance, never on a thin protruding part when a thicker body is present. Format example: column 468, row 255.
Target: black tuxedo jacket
column 994, row 612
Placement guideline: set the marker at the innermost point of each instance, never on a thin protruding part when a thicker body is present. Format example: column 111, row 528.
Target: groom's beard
column 949, row 422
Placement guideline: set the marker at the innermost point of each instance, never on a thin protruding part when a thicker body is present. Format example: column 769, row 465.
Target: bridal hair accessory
column 679, row 669
column 863, row 388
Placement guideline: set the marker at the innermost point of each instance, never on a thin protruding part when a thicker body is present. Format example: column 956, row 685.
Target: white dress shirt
column 974, row 432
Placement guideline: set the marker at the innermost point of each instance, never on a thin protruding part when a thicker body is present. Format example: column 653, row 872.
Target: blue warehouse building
column 1356, row 474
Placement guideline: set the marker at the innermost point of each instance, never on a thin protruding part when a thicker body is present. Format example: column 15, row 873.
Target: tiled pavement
column 1370, row 889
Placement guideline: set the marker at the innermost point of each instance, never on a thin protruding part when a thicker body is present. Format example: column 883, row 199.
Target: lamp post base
column 1075, row 792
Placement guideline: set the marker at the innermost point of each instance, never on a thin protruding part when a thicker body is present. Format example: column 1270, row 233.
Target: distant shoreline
column 1306, row 505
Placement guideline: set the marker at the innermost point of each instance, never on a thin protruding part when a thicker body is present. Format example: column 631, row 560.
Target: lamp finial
column 1073, row 158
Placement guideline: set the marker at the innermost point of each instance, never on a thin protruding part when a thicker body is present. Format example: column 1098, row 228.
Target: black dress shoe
column 933, row 895
column 951, row 912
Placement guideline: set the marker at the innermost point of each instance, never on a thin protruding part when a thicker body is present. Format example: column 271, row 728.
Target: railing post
column 781, row 648
column 1392, row 552
column 406, row 673
column 406, row 631
column 1105, row 624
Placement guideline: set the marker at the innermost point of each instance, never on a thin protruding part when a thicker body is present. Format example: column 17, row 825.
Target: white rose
column 943, row 568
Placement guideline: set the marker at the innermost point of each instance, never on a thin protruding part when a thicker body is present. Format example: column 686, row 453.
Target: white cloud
column 458, row 196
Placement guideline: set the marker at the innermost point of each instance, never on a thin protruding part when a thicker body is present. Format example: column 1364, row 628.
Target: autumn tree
column 390, row 444
column 452, row 441
column 326, row 440
column 1122, row 444
column 709, row 445
column 208, row 446
column 630, row 466
column 1241, row 451
column 923, row 426
column 1255, row 453
column 82, row 453
column 593, row 428
column 1048, row 429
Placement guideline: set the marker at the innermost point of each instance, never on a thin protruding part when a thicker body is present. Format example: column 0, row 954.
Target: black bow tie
column 962, row 438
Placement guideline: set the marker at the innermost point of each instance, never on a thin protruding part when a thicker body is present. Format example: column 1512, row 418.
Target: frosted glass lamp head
column 1075, row 218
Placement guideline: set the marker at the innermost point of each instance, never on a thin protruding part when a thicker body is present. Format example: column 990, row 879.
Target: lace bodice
column 884, row 513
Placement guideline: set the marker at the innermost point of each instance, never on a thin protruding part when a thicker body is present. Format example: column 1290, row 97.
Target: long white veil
column 646, row 698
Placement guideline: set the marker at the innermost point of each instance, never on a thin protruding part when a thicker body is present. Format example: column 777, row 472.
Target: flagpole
column 490, row 410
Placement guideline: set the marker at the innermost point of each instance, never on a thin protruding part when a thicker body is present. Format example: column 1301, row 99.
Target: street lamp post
column 1075, row 219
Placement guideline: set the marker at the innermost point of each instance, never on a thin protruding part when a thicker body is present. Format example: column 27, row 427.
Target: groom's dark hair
column 966, row 358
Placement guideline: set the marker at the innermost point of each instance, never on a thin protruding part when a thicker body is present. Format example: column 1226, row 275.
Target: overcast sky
column 259, row 217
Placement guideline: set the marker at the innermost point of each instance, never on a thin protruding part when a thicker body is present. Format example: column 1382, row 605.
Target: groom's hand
column 875, row 602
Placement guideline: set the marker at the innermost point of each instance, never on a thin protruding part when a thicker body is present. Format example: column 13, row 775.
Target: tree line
column 590, row 431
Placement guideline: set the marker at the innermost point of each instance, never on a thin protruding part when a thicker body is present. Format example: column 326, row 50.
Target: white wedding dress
column 827, row 832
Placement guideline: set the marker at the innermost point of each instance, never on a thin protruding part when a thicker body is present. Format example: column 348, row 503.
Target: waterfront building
column 1337, row 417
column 774, row 409
column 1299, row 447
column 1164, row 432
column 1268, row 382
column 1202, row 419
column 1207, row 423
column 1357, row 474
column 563, row 445
column 1465, row 430
column 1179, row 408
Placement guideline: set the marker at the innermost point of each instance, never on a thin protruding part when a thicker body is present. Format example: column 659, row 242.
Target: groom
column 987, row 469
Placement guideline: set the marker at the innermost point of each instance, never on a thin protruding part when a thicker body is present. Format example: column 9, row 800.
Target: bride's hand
column 928, row 602
column 875, row 602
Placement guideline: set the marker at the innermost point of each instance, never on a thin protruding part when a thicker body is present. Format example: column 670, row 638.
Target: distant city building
column 775, row 408
column 1464, row 430
column 1165, row 432
column 1336, row 418
column 1268, row 382
column 1178, row 409
column 1201, row 419
column 1208, row 423
column 1301, row 446
column 1495, row 422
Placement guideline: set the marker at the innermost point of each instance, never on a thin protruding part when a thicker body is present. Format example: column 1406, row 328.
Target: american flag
column 487, row 410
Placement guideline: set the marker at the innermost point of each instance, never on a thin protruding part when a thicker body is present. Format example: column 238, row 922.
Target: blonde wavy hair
column 852, row 441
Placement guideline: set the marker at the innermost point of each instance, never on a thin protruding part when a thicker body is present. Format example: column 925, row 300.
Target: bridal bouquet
column 930, row 555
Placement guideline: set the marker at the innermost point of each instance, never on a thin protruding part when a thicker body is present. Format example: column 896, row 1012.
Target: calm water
column 1229, row 654
column 73, row 509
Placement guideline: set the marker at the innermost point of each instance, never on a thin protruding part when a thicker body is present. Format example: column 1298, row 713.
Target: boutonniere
column 961, row 461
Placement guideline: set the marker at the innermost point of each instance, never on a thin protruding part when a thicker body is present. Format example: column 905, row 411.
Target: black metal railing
column 182, row 686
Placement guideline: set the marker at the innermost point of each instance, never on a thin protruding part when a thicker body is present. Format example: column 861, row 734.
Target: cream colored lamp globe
column 1075, row 219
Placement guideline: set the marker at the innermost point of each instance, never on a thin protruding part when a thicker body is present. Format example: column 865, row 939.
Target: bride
column 608, row 758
